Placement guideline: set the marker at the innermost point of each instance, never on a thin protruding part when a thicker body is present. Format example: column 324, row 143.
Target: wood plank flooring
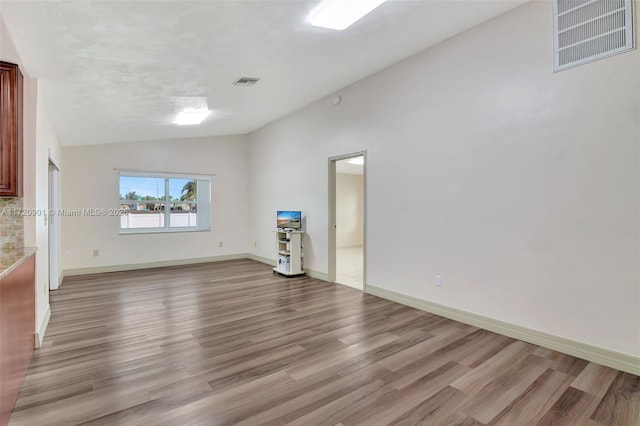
column 230, row 343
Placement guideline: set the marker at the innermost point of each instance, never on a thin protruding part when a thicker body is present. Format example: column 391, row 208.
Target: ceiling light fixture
column 246, row 81
column 340, row 14
column 190, row 118
column 356, row 161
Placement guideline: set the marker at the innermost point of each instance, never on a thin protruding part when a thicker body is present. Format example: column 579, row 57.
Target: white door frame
column 54, row 225
column 332, row 216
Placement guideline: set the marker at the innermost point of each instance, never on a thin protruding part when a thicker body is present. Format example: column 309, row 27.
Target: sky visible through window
column 151, row 187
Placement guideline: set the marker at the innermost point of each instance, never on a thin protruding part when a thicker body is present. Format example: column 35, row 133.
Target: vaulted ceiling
column 119, row 71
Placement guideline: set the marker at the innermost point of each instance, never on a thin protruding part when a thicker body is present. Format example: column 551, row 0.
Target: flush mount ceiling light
column 246, row 81
column 356, row 161
column 340, row 14
column 190, row 118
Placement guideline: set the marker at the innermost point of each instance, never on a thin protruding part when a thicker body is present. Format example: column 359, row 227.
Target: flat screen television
column 289, row 220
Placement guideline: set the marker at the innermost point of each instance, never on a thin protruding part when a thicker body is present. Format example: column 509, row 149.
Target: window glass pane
column 140, row 216
column 184, row 194
column 146, row 206
column 141, row 188
column 183, row 215
column 183, row 189
column 142, row 198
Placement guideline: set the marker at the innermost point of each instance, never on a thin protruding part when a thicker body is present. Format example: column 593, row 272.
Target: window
column 153, row 202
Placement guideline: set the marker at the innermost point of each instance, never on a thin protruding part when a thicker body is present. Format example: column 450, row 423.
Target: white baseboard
column 599, row 355
column 348, row 286
column 613, row 359
column 265, row 260
column 42, row 329
column 151, row 265
column 272, row 262
column 317, row 274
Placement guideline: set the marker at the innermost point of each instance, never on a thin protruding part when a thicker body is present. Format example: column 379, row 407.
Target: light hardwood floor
column 231, row 343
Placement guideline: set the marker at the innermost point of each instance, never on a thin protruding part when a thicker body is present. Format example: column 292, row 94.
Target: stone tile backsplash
column 11, row 223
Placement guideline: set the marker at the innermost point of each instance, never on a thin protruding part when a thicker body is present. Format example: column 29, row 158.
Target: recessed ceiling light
column 356, row 161
column 190, row 118
column 340, row 14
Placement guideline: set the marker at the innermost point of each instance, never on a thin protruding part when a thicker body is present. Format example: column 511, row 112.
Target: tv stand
column 289, row 253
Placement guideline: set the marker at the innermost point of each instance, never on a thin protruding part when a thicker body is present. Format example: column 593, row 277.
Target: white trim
column 613, row 359
column 607, row 357
column 348, row 286
column 53, row 229
column 271, row 262
column 265, row 260
column 53, row 160
column 147, row 173
column 332, row 268
column 138, row 231
column 132, row 267
column 43, row 327
column 317, row 274
column 151, row 265
column 331, row 225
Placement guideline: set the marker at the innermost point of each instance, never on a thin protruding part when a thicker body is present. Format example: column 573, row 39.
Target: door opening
column 347, row 220
column 54, row 227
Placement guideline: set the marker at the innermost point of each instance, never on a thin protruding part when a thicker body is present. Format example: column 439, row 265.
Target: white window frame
column 203, row 201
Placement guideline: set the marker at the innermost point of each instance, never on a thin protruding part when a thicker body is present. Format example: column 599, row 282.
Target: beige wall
column 349, row 210
column 89, row 181
column 519, row 186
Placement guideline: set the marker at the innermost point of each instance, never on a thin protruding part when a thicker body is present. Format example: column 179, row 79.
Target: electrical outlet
column 96, row 253
column 220, row 244
column 68, row 254
column 438, row 281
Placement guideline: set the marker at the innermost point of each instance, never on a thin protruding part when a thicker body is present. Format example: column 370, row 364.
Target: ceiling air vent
column 587, row 30
column 246, row 81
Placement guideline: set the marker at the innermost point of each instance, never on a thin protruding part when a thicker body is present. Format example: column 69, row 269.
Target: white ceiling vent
column 587, row 30
column 246, row 81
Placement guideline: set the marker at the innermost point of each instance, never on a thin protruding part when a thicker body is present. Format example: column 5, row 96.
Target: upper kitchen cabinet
column 10, row 130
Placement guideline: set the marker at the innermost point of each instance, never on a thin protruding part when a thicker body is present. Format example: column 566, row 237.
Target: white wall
column 349, row 210
column 40, row 138
column 519, row 186
column 9, row 53
column 47, row 145
column 89, row 181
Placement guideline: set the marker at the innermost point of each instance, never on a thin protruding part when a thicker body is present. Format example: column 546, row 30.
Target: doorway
column 54, row 227
column 347, row 177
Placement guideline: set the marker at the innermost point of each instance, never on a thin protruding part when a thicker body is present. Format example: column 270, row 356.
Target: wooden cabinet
column 17, row 332
column 10, row 130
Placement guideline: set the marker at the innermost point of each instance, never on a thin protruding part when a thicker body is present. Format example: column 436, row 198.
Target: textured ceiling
column 119, row 71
